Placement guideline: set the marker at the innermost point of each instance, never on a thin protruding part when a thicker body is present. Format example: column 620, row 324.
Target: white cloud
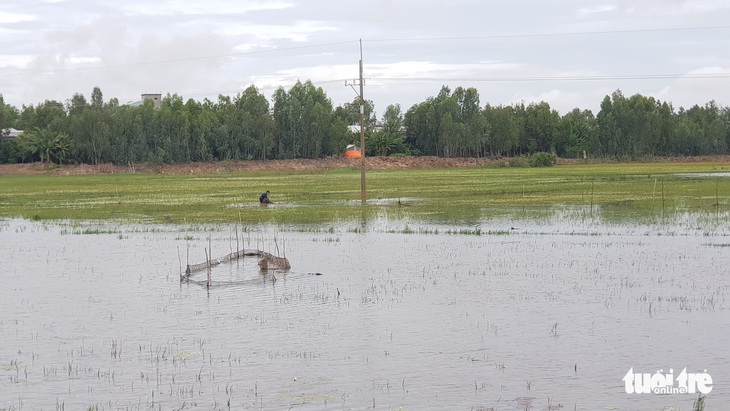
column 300, row 31
column 15, row 60
column 209, row 7
column 698, row 86
column 586, row 11
column 561, row 101
column 13, row 18
column 83, row 61
column 54, row 49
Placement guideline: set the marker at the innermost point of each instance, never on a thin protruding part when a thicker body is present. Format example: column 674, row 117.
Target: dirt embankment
column 372, row 163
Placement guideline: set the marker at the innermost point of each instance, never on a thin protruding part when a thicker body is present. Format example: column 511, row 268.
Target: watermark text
column 665, row 383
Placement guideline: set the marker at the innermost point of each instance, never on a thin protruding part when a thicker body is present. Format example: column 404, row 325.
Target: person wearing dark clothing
column 264, row 199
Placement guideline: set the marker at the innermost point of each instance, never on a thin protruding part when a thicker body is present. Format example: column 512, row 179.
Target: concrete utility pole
column 362, row 134
column 363, row 191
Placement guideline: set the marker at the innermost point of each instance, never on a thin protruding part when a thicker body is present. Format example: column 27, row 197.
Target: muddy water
column 542, row 316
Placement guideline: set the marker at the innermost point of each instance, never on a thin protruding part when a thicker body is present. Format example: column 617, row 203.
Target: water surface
column 511, row 314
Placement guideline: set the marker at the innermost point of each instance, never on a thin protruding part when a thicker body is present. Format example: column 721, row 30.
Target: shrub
column 520, row 161
column 543, row 160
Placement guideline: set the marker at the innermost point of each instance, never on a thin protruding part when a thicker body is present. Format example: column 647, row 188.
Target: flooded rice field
column 511, row 315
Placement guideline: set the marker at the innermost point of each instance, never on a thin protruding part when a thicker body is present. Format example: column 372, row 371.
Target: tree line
column 302, row 123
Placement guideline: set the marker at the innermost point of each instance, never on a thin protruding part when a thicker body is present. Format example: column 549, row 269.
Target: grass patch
column 465, row 195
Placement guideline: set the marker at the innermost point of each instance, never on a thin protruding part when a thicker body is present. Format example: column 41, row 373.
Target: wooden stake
column 662, row 197
column 593, row 184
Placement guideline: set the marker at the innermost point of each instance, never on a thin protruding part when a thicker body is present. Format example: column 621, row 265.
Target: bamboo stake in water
column 662, row 197
column 593, row 184
column 179, row 261
column 717, row 199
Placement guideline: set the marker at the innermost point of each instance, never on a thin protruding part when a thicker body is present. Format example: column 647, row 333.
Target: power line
column 484, row 80
column 558, row 78
column 571, row 33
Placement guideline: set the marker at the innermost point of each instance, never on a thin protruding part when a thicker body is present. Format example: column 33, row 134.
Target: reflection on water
column 510, row 314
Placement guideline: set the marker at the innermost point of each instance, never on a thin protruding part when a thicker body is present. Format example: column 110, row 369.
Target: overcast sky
column 570, row 53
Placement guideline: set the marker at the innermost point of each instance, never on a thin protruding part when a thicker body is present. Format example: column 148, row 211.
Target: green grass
column 465, row 195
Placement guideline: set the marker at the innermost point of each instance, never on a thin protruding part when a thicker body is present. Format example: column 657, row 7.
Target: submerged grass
column 466, row 195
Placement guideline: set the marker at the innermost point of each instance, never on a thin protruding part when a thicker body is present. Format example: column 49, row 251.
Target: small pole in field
column 662, row 197
column 207, row 263
column 593, row 184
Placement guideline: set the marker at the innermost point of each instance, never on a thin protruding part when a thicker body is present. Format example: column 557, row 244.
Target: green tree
column 576, row 134
column 303, row 118
column 8, row 115
column 97, row 99
column 389, row 138
column 257, row 125
column 350, row 113
column 46, row 144
column 77, row 105
column 612, row 120
column 503, row 126
column 540, row 127
column 422, row 132
column 50, row 113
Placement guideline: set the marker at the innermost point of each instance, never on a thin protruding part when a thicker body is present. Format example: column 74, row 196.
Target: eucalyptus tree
column 8, row 115
column 303, row 118
column 202, row 124
column 701, row 130
column 504, row 129
column 223, row 146
column 539, row 128
column 50, row 113
column 449, row 124
column 725, row 116
column 97, row 98
column 76, row 105
column 642, row 130
column 256, row 124
column 476, row 130
column 635, row 126
column 716, row 129
column 89, row 133
column 340, row 136
column 173, row 126
column 612, row 120
column 422, row 128
column 350, row 113
column 9, row 152
column 577, row 134
column 89, row 129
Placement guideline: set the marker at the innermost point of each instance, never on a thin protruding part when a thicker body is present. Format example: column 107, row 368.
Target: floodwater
column 539, row 315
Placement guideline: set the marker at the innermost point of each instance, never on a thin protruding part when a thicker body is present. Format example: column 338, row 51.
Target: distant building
column 10, row 134
column 156, row 100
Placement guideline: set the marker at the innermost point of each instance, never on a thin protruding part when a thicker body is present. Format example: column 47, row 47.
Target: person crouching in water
column 264, row 199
